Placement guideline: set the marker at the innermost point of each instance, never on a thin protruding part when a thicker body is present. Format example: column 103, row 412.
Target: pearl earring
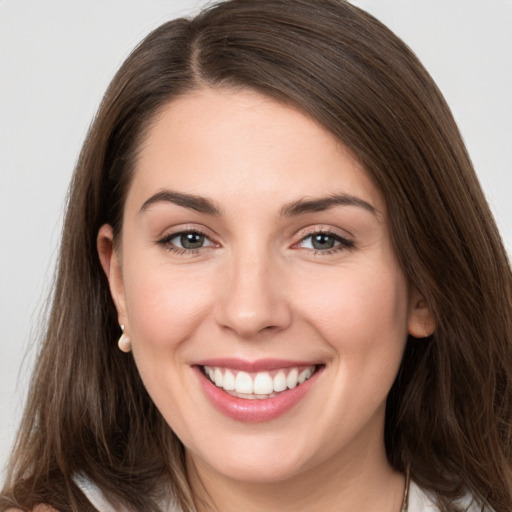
column 124, row 342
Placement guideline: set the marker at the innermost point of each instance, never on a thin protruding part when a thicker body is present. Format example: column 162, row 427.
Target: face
column 259, row 288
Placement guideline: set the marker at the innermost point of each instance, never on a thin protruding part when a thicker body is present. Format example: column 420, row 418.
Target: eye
column 191, row 240
column 325, row 242
column 186, row 241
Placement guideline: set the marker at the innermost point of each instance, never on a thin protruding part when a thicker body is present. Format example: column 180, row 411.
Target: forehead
column 245, row 145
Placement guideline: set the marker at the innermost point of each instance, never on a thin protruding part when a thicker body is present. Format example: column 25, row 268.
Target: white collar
column 419, row 500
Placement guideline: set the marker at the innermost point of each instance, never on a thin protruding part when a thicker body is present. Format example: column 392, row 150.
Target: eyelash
column 343, row 243
column 166, row 242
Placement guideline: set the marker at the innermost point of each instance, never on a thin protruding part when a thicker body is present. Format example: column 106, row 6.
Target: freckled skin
column 257, row 288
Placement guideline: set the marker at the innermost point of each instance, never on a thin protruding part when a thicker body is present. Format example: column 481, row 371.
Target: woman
column 275, row 217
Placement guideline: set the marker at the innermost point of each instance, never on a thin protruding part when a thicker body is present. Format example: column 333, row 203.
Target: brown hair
column 449, row 412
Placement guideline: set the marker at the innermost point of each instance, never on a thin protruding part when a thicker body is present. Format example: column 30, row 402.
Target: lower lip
column 257, row 410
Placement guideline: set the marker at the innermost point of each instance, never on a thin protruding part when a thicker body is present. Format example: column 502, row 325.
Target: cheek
column 163, row 304
column 164, row 309
column 360, row 312
column 363, row 317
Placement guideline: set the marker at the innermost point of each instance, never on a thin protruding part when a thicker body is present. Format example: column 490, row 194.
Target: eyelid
column 323, row 229
column 186, row 228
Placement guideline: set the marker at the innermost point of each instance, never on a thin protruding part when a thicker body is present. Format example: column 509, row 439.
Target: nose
column 253, row 296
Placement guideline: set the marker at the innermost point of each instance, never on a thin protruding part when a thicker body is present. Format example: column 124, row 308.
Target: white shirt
column 419, row 500
column 98, row 500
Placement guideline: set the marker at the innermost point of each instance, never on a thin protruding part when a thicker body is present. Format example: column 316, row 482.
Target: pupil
column 322, row 241
column 191, row 240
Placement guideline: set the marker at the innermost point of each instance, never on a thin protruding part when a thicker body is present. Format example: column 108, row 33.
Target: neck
column 361, row 480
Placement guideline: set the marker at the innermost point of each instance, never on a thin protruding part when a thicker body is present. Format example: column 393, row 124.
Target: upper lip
column 259, row 365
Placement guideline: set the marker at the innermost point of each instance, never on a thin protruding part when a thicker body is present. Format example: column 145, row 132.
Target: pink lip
column 260, row 365
column 253, row 411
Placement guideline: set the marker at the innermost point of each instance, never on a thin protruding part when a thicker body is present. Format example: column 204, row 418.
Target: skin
column 258, row 289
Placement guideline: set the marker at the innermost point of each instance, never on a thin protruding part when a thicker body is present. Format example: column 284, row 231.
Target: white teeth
column 217, row 374
column 228, row 382
column 280, row 381
column 291, row 380
column 243, row 383
column 263, row 384
column 260, row 385
column 305, row 375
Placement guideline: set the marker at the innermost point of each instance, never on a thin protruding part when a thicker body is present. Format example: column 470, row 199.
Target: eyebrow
column 300, row 207
column 197, row 203
column 303, row 206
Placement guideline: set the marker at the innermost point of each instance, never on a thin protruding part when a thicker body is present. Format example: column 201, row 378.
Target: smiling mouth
column 258, row 385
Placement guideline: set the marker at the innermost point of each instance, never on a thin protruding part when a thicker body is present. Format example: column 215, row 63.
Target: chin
column 258, row 472
column 257, row 459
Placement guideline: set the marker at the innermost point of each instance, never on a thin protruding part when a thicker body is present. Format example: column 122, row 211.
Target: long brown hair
column 449, row 413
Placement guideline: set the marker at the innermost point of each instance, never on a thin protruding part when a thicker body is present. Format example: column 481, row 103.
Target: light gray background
column 56, row 59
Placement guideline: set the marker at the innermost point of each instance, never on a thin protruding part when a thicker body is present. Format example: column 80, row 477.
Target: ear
column 111, row 263
column 421, row 322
